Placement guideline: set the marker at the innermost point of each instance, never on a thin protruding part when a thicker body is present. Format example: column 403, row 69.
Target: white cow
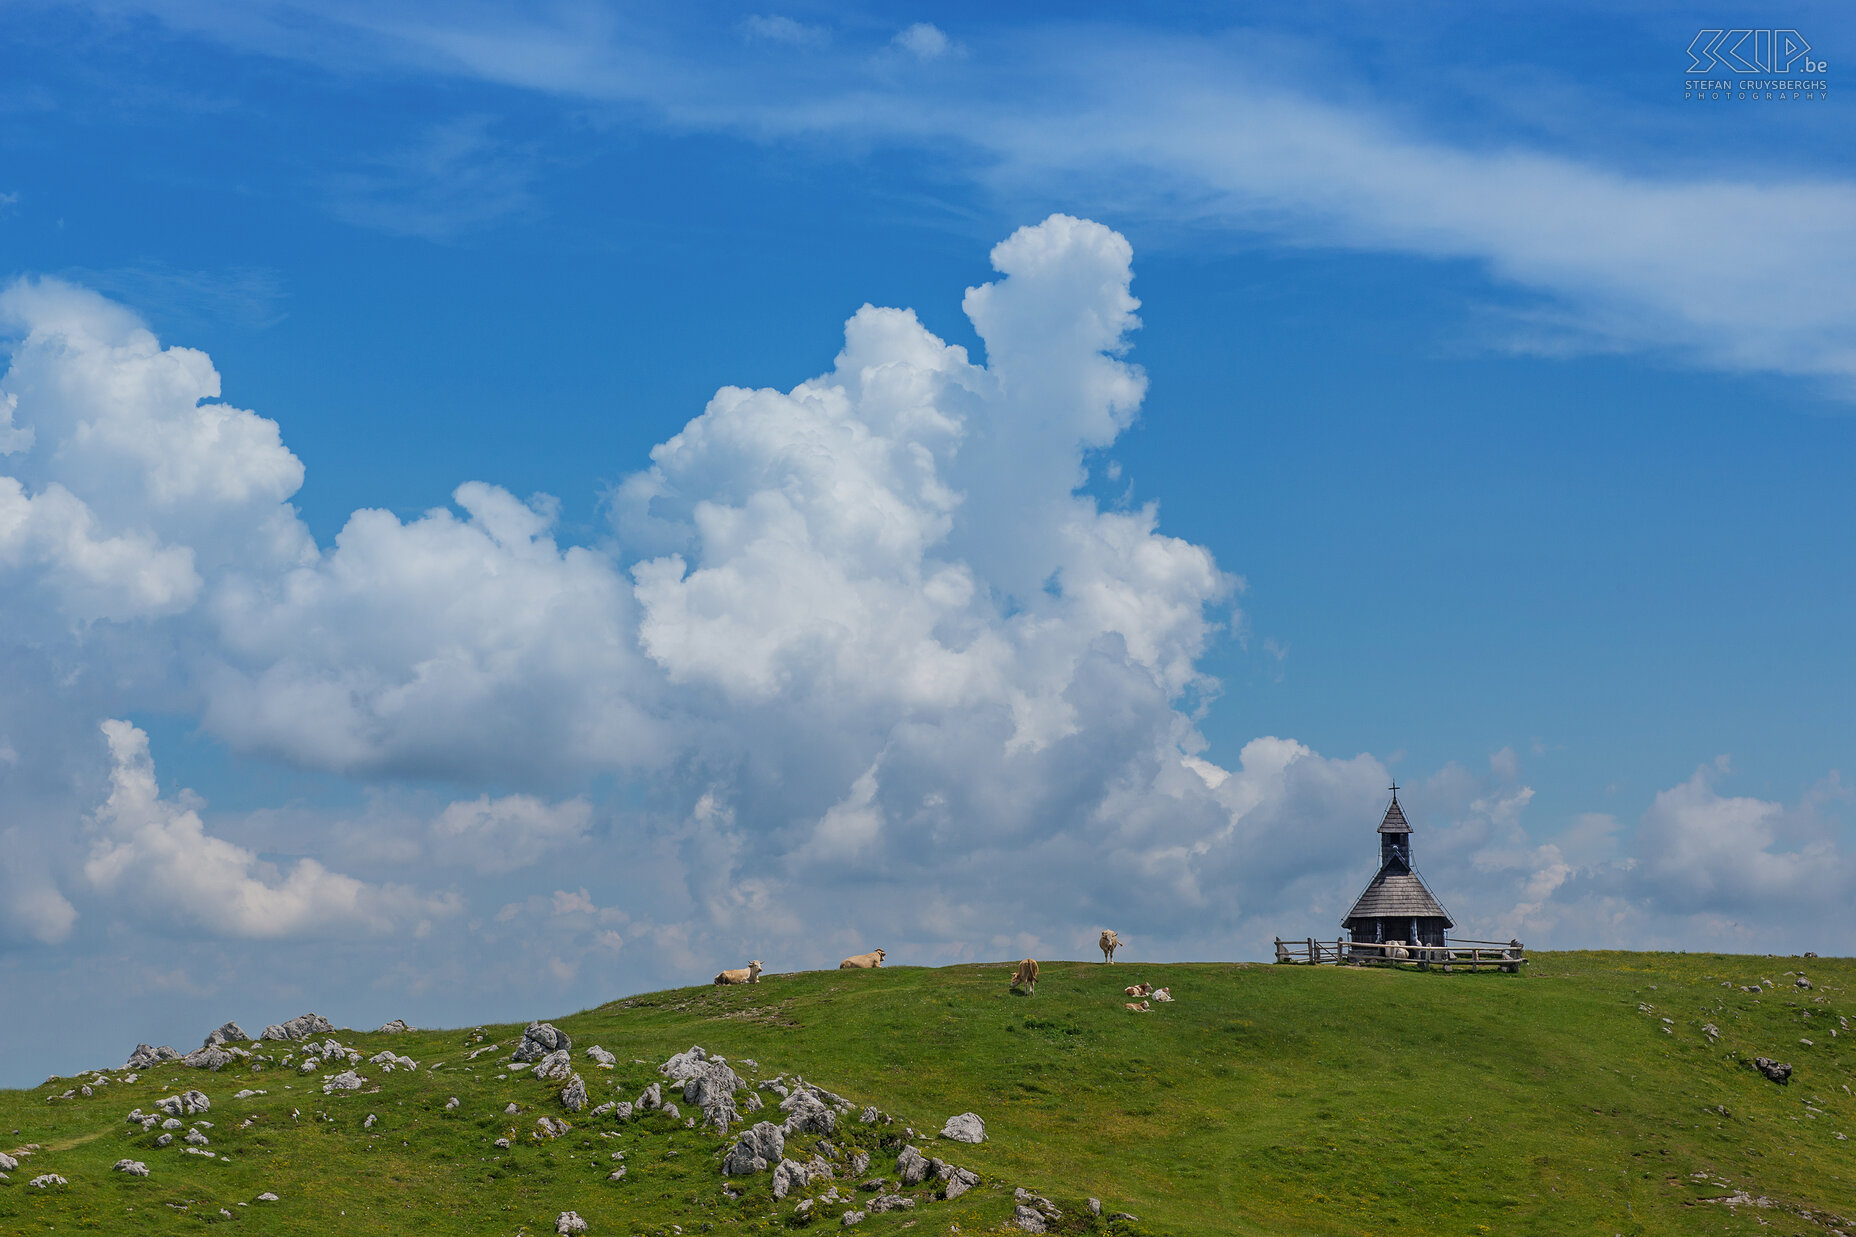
column 749, row 974
column 1109, row 943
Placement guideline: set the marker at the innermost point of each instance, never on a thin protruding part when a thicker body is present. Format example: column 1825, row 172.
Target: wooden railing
column 1476, row 955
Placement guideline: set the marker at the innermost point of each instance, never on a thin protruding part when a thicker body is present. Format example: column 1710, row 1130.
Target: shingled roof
column 1397, row 893
column 1395, row 819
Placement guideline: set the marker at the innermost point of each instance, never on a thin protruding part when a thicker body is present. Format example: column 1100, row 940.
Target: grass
column 1265, row 1100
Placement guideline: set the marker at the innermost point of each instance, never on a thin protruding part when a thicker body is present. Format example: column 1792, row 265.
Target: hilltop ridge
column 1599, row 1089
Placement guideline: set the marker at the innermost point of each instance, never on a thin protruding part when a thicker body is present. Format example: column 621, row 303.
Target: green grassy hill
column 1581, row 1097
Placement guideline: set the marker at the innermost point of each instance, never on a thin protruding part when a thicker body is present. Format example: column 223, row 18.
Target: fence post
column 1314, row 952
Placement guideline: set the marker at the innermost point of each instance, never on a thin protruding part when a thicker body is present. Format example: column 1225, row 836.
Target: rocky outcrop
column 399, row 1026
column 230, row 1033
column 966, row 1128
column 347, row 1080
column 186, row 1104
column 709, row 1084
column 651, row 1098
column 573, row 1095
column 600, row 1057
column 555, row 1066
column 145, row 1056
column 135, row 1168
column 1777, row 1071
column 807, row 1113
column 569, row 1223
column 754, row 1150
column 912, row 1167
column 540, row 1039
column 211, row 1057
column 300, row 1027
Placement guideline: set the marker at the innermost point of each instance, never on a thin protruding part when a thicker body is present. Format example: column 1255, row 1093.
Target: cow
column 1163, row 994
column 1109, row 943
column 1398, row 950
column 749, row 974
column 1026, row 976
column 1139, row 1007
column 1140, row 990
column 863, row 962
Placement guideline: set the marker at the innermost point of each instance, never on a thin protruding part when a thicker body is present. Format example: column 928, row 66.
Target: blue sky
column 1491, row 431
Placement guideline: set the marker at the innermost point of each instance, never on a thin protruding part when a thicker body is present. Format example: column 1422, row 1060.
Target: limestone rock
column 509, row 1108
column 300, row 1027
column 860, row 1163
column 912, row 1167
column 959, row 1181
column 267, row 1197
column 569, row 1223
column 195, row 1139
column 653, row 1097
column 390, row 1062
column 347, row 1080
column 186, row 1104
column 600, row 1057
column 573, row 1096
column 893, row 1202
column 399, row 1026
column 211, row 1057
column 145, row 1056
column 788, row 1176
column 540, row 1039
column 966, row 1128
column 617, row 1174
column 1029, row 1218
column 163, row 1140
column 369, row 1123
column 851, row 1217
column 230, row 1033
column 553, row 1127
column 1095, row 1206
column 451, row 1103
column 756, row 1148
column 555, row 1066
column 135, row 1168
column 1777, row 1071
column 807, row 1113
column 49, row 1180
column 502, row 1142
column 711, row 1087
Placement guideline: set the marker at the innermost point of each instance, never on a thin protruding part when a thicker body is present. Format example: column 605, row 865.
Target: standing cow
column 1110, row 943
column 1027, row 977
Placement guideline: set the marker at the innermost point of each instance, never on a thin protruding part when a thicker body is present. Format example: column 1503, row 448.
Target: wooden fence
column 1476, row 955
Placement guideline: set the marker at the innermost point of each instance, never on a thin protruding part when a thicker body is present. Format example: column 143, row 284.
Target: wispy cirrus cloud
column 1194, row 131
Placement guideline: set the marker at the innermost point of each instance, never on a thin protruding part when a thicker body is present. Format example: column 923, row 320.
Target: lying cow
column 1110, row 943
column 1140, row 990
column 1398, row 950
column 1139, row 1007
column 1026, row 977
column 863, row 962
column 749, row 974
column 1163, row 994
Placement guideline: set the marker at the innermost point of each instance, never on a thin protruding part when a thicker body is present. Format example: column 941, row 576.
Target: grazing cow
column 1110, row 943
column 1027, row 975
column 749, row 974
column 863, row 962
column 1139, row 1007
column 1163, row 994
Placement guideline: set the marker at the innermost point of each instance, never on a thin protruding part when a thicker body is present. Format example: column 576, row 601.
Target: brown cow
column 749, row 974
column 1027, row 975
column 863, row 962
column 1110, row 943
